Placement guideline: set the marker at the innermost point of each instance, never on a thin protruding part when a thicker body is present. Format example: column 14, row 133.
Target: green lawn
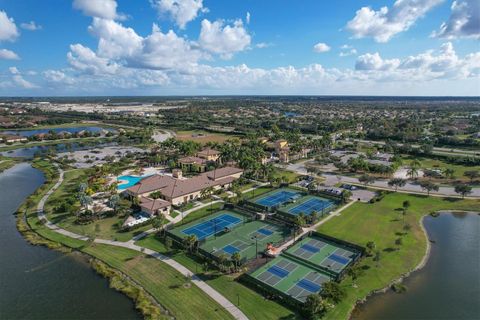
column 164, row 283
column 107, row 228
column 289, row 176
column 382, row 223
column 254, row 305
column 257, row 192
column 202, row 212
column 7, row 163
column 428, row 163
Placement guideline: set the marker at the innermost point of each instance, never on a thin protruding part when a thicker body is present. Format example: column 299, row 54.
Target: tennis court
column 293, row 278
column 245, row 239
column 307, row 205
column 277, row 197
column 208, row 227
column 328, row 255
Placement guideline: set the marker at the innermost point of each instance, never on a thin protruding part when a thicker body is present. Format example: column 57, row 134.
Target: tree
column 397, row 182
column 366, row 179
column 314, row 307
column 236, row 257
column 370, row 247
column 354, row 272
column 207, row 192
column 463, row 189
column 429, row 186
column 158, row 222
column 450, row 173
column 189, row 242
column 346, row 195
column 412, row 172
column 472, row 174
column 332, row 291
column 114, row 202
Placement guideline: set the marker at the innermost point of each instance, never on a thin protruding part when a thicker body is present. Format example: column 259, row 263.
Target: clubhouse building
column 177, row 190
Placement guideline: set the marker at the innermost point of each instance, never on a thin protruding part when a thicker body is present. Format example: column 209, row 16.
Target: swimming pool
column 130, row 181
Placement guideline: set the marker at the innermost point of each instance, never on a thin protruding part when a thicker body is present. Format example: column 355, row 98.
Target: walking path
column 215, row 295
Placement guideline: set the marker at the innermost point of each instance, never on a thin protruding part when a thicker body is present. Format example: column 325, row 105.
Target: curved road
column 215, row 295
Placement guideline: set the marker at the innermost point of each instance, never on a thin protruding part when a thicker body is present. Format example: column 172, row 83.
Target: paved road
column 410, row 187
column 215, row 295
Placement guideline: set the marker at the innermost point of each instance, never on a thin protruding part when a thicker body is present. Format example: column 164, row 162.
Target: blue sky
column 170, row 47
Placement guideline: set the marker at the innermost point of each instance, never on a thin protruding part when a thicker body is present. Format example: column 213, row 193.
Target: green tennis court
column 245, row 238
column 293, row 278
column 328, row 255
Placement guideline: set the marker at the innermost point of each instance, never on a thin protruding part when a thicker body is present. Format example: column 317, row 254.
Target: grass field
column 203, row 136
column 7, row 163
column 428, row 163
column 382, row 222
column 254, row 305
column 165, row 284
column 288, row 176
column 257, row 192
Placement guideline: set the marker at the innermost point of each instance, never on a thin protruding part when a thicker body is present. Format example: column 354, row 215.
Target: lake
column 28, row 133
column 448, row 287
column 39, row 283
column 30, row 152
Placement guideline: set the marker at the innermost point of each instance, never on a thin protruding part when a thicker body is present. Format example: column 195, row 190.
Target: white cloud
column 156, row 51
column 181, row 11
column 106, row 9
column 8, row 55
column 247, row 18
column 383, row 24
column 464, row 21
column 85, row 60
column 441, row 64
column 8, row 29
column 373, row 61
column 57, row 76
column 262, row 45
column 347, row 50
column 19, row 81
column 321, row 47
column 31, row 26
column 224, row 40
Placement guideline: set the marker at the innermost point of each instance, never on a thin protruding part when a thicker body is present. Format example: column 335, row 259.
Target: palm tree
column 113, row 202
column 207, row 192
column 189, row 242
column 412, row 172
column 346, row 195
column 236, row 257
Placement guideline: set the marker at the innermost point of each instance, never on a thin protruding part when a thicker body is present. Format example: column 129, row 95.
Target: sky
column 239, row 47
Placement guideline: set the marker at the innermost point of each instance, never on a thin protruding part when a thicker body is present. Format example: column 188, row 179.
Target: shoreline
column 419, row 266
column 142, row 300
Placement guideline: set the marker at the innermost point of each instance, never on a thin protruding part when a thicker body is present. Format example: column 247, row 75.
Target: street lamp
column 256, row 246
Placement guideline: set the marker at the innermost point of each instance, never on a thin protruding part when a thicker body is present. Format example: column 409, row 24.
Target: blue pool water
column 131, row 181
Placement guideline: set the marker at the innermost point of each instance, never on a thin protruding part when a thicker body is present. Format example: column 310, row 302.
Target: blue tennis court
column 339, row 259
column 310, row 248
column 314, row 204
column 277, row 198
column 230, row 249
column 212, row 226
column 282, row 273
column 265, row 232
column 308, row 285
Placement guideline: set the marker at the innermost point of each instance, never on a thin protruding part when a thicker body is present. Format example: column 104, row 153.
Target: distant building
column 155, row 207
column 209, row 154
column 192, row 164
column 7, row 138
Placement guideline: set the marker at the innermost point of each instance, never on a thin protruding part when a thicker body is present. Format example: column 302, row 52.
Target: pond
column 28, row 133
column 448, row 287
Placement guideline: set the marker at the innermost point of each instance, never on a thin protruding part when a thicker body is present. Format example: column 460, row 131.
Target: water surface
column 38, row 283
column 448, row 287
